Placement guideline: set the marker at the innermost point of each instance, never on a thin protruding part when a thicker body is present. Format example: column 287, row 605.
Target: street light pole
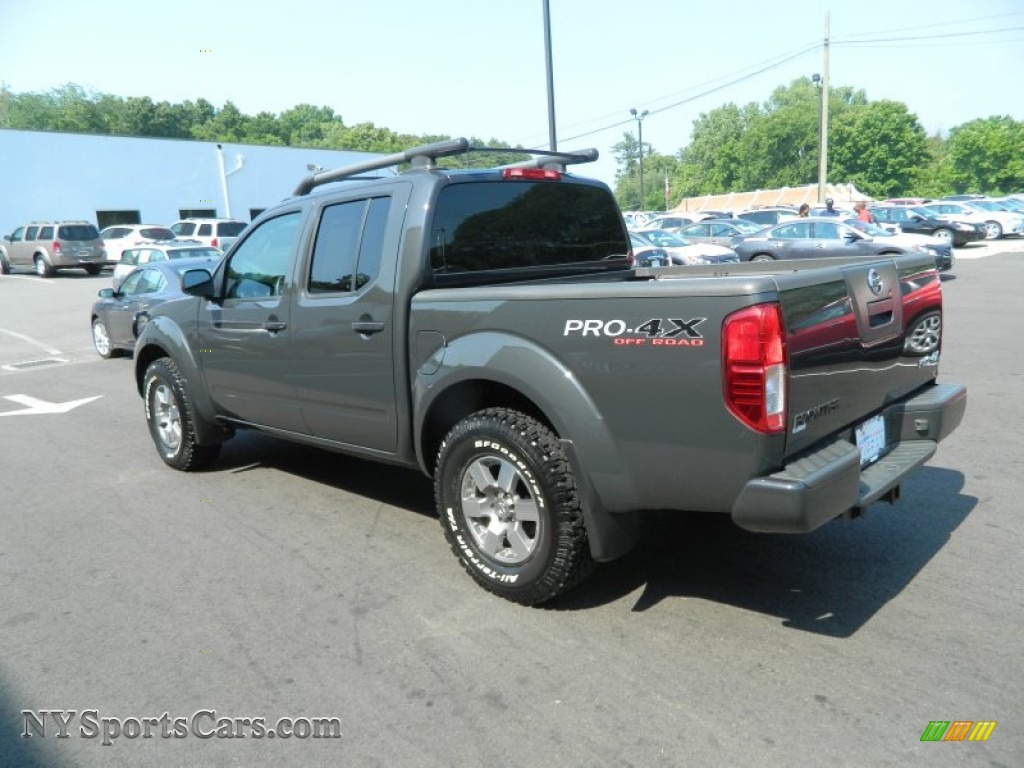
column 639, row 117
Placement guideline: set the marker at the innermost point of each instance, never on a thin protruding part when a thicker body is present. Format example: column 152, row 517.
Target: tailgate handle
column 367, row 326
column 879, row 312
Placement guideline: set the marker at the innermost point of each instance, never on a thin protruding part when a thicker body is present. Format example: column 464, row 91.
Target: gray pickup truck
column 489, row 327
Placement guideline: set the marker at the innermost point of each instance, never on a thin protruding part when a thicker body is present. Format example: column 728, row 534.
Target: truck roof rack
column 427, row 155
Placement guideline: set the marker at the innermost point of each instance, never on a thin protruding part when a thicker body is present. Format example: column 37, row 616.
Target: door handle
column 367, row 326
column 274, row 326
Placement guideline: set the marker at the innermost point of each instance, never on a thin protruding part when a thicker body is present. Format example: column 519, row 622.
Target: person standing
column 805, row 211
column 863, row 213
column 829, row 210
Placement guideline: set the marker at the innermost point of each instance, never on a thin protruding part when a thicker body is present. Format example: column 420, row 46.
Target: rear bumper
column 828, row 481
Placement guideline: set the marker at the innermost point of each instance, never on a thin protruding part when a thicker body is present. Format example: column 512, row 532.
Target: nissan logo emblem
column 874, row 281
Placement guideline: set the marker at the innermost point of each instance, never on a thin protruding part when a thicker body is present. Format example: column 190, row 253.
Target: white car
column 120, row 236
column 163, row 250
column 684, row 252
column 998, row 222
column 220, row 233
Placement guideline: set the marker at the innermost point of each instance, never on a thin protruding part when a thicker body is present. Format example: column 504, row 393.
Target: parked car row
column 47, row 247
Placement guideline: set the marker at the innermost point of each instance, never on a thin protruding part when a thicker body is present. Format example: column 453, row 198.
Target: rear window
column 78, row 232
column 525, row 225
column 156, row 233
column 230, row 228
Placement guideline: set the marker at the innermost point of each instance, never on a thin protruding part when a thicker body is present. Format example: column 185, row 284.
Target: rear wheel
column 509, row 507
column 763, row 257
column 993, row 230
column 172, row 419
column 42, row 268
column 94, row 269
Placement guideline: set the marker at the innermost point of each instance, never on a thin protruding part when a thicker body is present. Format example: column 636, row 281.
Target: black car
column 118, row 316
column 921, row 221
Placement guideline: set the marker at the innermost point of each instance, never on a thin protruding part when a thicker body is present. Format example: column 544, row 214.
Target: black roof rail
column 426, row 156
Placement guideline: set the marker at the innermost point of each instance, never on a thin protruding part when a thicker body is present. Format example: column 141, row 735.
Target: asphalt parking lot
column 292, row 583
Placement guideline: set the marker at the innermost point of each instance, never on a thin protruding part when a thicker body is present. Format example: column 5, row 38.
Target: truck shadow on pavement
column 830, row 582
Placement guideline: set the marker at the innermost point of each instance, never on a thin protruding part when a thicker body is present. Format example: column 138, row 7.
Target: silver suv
column 48, row 246
column 219, row 233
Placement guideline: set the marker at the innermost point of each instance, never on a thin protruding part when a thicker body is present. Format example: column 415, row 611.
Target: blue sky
column 476, row 67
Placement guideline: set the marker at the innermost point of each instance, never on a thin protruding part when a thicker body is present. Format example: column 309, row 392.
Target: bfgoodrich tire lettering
column 171, row 418
column 509, row 507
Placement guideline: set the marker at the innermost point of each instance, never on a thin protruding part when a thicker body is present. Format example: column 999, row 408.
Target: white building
column 126, row 180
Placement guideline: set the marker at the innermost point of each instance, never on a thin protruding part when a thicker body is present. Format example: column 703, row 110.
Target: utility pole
column 823, row 150
column 552, row 140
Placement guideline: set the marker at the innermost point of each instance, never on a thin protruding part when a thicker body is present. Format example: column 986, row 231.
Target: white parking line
column 34, row 280
column 45, row 347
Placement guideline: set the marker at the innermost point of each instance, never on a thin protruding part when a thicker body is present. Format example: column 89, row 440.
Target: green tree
column 879, row 147
column 986, row 155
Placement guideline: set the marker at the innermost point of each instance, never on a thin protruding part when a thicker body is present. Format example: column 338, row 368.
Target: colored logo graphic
column 958, row 730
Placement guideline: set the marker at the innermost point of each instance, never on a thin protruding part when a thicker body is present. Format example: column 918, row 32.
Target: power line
column 936, row 24
column 927, row 37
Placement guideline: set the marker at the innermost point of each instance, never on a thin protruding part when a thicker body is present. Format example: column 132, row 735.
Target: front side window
column 502, row 225
column 16, row 235
column 349, row 243
column 130, row 257
column 151, row 282
column 130, row 286
column 826, row 231
column 259, row 265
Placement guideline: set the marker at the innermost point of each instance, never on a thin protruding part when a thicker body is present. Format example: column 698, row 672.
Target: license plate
column 871, row 439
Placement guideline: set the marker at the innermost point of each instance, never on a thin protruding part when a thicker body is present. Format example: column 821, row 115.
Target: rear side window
column 78, row 232
column 185, row 228
column 205, row 230
column 348, row 246
column 525, row 225
column 230, row 228
column 46, row 233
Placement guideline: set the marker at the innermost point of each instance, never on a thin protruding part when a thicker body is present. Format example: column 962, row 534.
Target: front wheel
column 944, row 235
column 5, row 268
column 924, row 336
column 763, row 257
column 93, row 269
column 101, row 340
column 171, row 418
column 509, row 507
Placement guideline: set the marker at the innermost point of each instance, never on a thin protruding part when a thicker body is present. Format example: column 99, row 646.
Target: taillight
column 213, row 242
column 56, row 248
column 754, row 365
column 542, row 174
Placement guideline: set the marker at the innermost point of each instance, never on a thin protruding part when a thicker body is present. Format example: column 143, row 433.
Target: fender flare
column 517, row 363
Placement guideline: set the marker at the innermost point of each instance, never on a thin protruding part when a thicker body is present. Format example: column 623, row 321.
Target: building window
column 110, row 218
column 197, row 213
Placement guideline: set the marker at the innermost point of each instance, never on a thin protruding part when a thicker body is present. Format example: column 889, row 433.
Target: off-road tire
column 172, row 419
column 527, row 541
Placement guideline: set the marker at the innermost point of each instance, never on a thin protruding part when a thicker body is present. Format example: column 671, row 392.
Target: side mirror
column 197, row 282
column 852, row 237
column 106, row 293
column 7, row 238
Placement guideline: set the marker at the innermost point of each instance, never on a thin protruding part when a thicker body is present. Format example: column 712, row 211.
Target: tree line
column 73, row 109
column 879, row 146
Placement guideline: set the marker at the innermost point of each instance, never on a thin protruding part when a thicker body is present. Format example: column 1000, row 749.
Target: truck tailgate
column 857, row 343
